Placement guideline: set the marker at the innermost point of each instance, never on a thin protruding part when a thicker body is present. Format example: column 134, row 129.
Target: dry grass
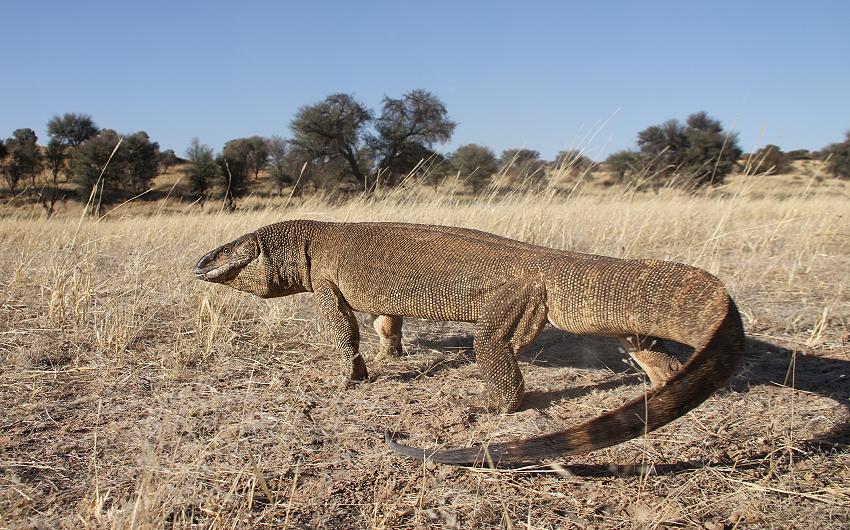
column 135, row 396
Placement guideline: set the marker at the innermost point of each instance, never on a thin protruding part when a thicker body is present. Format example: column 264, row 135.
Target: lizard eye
column 226, row 251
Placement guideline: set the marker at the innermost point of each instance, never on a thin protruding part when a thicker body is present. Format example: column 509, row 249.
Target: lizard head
column 269, row 262
column 239, row 264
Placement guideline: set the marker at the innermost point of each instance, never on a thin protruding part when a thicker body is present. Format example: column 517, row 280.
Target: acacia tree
column 332, row 131
column 24, row 160
column 662, row 146
column 408, row 127
column 67, row 133
column 201, row 169
column 699, row 151
column 476, row 164
column 72, row 129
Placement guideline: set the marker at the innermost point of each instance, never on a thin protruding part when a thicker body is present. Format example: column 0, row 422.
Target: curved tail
column 707, row 370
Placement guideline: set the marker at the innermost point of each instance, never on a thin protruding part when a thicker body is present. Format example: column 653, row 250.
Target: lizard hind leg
column 652, row 356
column 389, row 333
column 509, row 321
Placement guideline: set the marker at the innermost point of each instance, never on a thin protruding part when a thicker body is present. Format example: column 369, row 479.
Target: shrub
column 837, row 158
column 23, row 161
column 476, row 164
column 128, row 173
column 769, row 159
column 201, row 169
column 693, row 154
column 623, row 164
column 522, row 164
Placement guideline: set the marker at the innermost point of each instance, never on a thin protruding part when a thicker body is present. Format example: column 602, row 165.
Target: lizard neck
column 286, row 245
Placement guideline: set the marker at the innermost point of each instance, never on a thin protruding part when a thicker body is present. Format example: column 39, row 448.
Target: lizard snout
column 202, row 267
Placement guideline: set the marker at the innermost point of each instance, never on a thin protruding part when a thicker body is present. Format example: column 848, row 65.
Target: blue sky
column 544, row 75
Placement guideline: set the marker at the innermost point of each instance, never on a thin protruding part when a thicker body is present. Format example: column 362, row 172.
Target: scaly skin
column 509, row 289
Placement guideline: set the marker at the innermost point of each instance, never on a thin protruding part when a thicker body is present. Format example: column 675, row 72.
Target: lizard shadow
column 764, row 363
column 552, row 348
column 767, row 364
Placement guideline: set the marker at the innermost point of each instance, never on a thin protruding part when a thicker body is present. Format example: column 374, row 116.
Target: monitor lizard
column 510, row 290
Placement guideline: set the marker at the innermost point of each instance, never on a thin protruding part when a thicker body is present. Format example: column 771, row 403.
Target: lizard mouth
column 208, row 270
column 225, row 262
column 208, row 274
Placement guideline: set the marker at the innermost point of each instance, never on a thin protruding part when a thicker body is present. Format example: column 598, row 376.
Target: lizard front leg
column 389, row 332
column 340, row 328
column 509, row 321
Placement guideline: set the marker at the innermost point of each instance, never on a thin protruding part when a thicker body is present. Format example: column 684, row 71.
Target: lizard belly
column 415, row 299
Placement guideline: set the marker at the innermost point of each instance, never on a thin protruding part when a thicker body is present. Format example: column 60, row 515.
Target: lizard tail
column 707, row 370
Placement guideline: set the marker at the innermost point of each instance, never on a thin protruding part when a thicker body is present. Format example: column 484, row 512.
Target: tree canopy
column 407, row 130
column 332, row 130
column 72, row 129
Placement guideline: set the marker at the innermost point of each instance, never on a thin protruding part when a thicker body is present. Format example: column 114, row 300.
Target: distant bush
column 837, row 158
column 769, row 159
column 571, row 164
column 23, row 161
column 141, row 159
column 280, row 170
column 696, row 153
column 256, row 154
column 56, row 162
column 623, row 164
column 127, row 174
column 801, row 154
column 233, row 169
column 167, row 159
column 475, row 164
column 522, row 164
column 201, row 169
column 574, row 160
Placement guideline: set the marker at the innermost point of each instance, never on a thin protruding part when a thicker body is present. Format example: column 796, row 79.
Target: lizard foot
column 389, row 352
column 346, row 383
